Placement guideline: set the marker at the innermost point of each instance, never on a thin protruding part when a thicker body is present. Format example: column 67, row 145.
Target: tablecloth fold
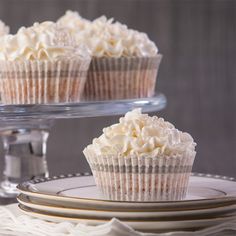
column 14, row 223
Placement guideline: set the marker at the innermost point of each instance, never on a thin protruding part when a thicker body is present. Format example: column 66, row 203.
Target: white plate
column 79, row 191
column 123, row 215
column 147, row 225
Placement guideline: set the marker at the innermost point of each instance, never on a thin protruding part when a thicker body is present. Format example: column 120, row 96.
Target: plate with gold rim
column 142, row 225
column 123, row 215
column 80, row 191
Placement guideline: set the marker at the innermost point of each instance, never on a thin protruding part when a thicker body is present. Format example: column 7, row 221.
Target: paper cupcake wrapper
column 121, row 78
column 141, row 179
column 41, row 82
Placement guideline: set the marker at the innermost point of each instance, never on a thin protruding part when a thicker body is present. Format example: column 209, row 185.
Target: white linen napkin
column 14, row 223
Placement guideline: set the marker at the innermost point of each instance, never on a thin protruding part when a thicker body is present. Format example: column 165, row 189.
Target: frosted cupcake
column 124, row 63
column 142, row 158
column 42, row 64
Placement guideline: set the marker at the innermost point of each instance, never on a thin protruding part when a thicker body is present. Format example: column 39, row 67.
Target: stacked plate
column 211, row 200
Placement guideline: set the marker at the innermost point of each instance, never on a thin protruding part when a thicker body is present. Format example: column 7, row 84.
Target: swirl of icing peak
column 45, row 41
column 106, row 38
column 73, row 21
column 142, row 135
column 4, row 29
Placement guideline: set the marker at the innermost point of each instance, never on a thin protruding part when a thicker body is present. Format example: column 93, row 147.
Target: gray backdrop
column 197, row 74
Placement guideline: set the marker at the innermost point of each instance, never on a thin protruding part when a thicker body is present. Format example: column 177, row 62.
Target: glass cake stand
column 25, row 129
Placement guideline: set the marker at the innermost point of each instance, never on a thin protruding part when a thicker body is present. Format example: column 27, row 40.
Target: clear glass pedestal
column 25, row 129
column 25, row 145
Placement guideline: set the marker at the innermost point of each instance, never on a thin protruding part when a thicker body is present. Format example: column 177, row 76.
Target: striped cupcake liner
column 121, row 78
column 135, row 178
column 42, row 82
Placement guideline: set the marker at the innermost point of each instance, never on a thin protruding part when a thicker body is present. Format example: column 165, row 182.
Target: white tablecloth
column 14, row 223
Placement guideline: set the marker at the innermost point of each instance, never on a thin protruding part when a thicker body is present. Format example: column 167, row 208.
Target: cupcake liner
column 121, row 78
column 41, row 82
column 133, row 178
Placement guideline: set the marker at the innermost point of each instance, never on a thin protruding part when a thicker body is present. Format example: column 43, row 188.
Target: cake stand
column 25, row 129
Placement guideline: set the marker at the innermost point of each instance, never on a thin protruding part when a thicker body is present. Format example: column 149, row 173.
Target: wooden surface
column 198, row 41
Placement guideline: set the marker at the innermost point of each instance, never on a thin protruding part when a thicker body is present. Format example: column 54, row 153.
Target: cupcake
column 42, row 64
column 142, row 158
column 124, row 62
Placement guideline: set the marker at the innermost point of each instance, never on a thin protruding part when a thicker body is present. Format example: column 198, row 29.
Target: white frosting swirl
column 108, row 39
column 142, row 135
column 4, row 29
column 73, row 21
column 45, row 41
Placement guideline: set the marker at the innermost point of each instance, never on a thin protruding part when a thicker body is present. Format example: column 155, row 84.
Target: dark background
column 197, row 74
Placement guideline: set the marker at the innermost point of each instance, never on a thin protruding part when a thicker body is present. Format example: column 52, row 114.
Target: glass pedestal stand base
column 24, row 153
